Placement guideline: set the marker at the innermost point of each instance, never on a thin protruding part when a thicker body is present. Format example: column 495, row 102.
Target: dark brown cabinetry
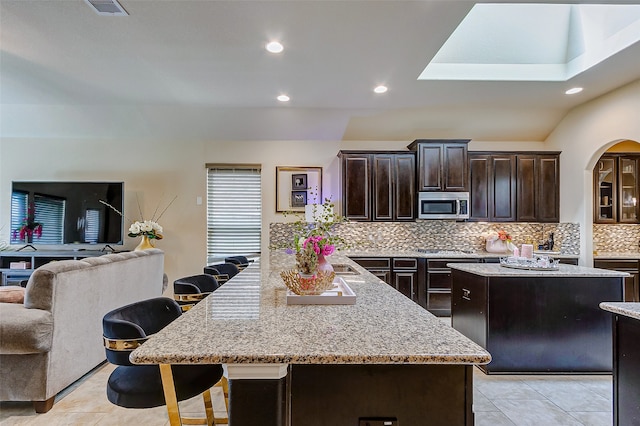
column 616, row 189
column 442, row 164
column 493, row 187
column 378, row 186
column 626, row 374
column 538, row 187
column 405, row 274
column 631, row 283
column 438, row 288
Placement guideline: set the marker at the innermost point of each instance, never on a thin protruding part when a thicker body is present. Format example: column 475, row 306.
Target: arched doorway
column 614, row 228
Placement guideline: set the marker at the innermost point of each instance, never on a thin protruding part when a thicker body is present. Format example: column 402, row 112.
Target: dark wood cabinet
column 438, row 288
column 405, row 274
column 442, row 164
column 631, row 283
column 538, row 187
column 493, row 187
column 616, row 181
column 626, row 374
column 378, row 186
column 356, row 186
column 538, row 325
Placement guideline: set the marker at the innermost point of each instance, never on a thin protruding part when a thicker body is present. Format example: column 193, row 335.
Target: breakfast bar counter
column 537, row 321
column 382, row 357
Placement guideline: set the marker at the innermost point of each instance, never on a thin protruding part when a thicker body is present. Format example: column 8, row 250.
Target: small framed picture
column 298, row 198
column 298, row 182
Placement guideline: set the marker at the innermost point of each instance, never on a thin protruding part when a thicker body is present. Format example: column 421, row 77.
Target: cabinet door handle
column 466, row 293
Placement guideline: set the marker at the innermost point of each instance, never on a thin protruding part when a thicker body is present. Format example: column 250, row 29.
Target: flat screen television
column 59, row 213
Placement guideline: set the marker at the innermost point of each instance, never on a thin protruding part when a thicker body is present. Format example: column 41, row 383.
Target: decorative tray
column 536, row 263
column 340, row 294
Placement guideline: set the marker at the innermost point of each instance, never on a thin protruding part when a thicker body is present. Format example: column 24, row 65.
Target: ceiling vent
column 107, row 7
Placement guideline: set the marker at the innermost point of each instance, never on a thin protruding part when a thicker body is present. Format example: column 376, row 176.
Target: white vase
column 497, row 246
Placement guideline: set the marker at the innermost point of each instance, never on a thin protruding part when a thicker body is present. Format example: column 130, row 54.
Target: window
column 234, row 211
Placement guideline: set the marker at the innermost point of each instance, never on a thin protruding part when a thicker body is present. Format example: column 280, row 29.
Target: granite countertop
column 616, row 255
column 496, row 270
column 247, row 320
column 628, row 309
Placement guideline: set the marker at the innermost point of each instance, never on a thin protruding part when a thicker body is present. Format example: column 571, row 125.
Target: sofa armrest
column 24, row 331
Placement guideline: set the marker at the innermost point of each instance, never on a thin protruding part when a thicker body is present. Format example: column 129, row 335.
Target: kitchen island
column 626, row 362
column 308, row 365
column 537, row 321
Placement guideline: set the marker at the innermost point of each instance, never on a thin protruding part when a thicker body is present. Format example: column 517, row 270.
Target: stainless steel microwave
column 443, row 205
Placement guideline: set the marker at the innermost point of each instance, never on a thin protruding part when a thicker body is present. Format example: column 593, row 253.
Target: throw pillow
column 11, row 294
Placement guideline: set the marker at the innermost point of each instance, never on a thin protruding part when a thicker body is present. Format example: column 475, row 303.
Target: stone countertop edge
column 496, row 270
column 628, row 309
column 617, row 255
column 247, row 320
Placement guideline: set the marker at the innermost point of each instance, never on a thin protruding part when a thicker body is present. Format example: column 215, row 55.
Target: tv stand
column 26, row 246
column 107, row 246
column 36, row 259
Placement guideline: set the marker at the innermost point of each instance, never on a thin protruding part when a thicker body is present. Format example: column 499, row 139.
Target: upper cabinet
column 378, row 185
column 442, row 164
column 507, row 186
column 616, row 182
column 493, row 186
column 538, row 187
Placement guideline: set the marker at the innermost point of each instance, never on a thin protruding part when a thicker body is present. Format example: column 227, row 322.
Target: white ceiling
column 198, row 70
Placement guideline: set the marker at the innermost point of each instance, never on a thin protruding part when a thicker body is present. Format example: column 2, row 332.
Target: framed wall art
column 297, row 187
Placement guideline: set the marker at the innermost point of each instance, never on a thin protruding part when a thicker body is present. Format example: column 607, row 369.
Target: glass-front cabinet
column 605, row 182
column 628, row 190
column 616, row 189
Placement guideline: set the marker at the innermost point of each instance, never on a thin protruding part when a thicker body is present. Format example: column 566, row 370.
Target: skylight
column 533, row 42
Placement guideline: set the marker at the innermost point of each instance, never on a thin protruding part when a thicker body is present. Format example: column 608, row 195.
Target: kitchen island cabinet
column 313, row 365
column 537, row 321
column 626, row 359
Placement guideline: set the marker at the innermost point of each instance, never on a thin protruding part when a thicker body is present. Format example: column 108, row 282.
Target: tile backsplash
column 616, row 238
column 440, row 234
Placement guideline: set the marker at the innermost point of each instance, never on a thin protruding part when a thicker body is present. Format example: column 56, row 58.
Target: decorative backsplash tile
column 440, row 234
column 616, row 238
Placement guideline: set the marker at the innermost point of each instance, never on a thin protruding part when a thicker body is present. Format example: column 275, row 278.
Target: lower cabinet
column 631, row 283
column 438, row 288
column 626, row 374
column 405, row 274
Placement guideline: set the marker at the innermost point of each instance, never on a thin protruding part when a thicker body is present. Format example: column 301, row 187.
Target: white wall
column 582, row 136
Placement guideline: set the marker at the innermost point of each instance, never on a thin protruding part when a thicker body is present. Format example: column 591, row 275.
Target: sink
column 344, row 269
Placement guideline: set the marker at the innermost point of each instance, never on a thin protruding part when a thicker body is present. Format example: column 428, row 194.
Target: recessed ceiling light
column 380, row 89
column 283, row 98
column 573, row 91
column 274, row 47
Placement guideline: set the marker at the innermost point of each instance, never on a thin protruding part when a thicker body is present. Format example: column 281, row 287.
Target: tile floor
column 499, row 400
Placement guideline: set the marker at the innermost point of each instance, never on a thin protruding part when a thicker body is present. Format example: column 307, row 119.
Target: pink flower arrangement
column 321, row 245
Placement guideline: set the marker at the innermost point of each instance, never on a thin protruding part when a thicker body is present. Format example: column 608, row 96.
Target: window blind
column 92, row 226
column 234, row 211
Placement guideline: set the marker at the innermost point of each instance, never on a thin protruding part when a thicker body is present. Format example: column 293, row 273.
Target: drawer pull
column 466, row 293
